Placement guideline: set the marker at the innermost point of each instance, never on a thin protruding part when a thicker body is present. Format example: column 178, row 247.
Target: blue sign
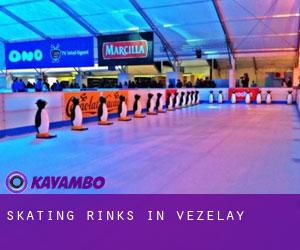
column 71, row 52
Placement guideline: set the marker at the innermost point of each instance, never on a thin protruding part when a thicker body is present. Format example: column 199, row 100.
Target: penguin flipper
column 100, row 112
column 38, row 121
column 120, row 108
column 135, row 106
column 73, row 114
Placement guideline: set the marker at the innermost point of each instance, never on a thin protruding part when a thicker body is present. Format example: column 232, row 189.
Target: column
column 172, row 77
column 296, row 77
column 78, row 78
column 124, row 77
column 232, row 74
column 3, row 81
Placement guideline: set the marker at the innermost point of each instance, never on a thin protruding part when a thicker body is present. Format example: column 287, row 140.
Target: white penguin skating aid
column 190, row 99
column 211, row 97
column 76, row 116
column 233, row 97
column 151, row 105
column 269, row 97
column 103, row 112
column 160, row 103
column 122, row 109
column 170, row 102
column 220, row 97
column 289, row 98
column 177, row 103
column 42, row 122
column 197, row 98
column 137, row 107
column 259, row 97
column 247, row 98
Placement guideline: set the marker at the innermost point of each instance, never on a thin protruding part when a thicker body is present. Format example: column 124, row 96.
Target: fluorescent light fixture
column 133, row 29
column 211, row 52
column 193, row 40
column 168, row 25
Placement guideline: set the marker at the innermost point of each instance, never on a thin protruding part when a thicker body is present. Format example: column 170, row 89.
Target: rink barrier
column 17, row 110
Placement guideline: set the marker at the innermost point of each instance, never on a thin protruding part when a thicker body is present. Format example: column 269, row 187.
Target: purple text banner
column 188, row 222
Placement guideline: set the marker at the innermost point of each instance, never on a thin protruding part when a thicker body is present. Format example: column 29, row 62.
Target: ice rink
column 207, row 149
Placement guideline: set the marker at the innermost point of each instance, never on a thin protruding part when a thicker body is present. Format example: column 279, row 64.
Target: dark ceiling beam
column 255, row 64
column 23, row 22
column 154, row 28
column 75, row 16
column 226, row 32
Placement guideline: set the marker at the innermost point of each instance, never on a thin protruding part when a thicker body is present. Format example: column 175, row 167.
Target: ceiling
column 215, row 26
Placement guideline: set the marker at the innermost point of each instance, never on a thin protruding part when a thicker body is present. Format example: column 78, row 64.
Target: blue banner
column 55, row 53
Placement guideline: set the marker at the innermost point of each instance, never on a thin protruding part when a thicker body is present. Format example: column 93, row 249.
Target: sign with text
column 241, row 93
column 71, row 52
column 126, row 49
column 88, row 102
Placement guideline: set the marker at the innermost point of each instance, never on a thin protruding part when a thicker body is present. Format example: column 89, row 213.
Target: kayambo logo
column 16, row 182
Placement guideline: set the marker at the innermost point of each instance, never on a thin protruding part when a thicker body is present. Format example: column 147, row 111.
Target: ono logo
column 25, row 56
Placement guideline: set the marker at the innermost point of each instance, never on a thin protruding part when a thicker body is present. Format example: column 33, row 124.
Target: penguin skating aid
column 192, row 97
column 211, row 97
column 220, row 97
column 159, row 104
column 103, row 112
column 137, row 107
column 175, row 100
column 269, row 97
column 187, row 99
column 151, row 105
column 233, row 97
column 289, row 98
column 169, row 102
column 258, row 97
column 122, row 110
column 248, row 97
column 76, row 116
column 182, row 99
column 42, row 121
column 197, row 99
column 177, row 103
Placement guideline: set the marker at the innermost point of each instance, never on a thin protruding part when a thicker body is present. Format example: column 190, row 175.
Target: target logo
column 16, row 182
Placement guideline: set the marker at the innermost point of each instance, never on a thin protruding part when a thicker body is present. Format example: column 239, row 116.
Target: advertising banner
column 89, row 102
column 71, row 52
column 112, row 99
column 241, row 93
column 125, row 49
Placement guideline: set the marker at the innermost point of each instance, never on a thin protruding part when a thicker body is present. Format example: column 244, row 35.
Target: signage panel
column 71, row 52
column 125, row 49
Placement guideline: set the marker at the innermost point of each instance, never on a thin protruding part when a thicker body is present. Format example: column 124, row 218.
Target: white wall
column 19, row 108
